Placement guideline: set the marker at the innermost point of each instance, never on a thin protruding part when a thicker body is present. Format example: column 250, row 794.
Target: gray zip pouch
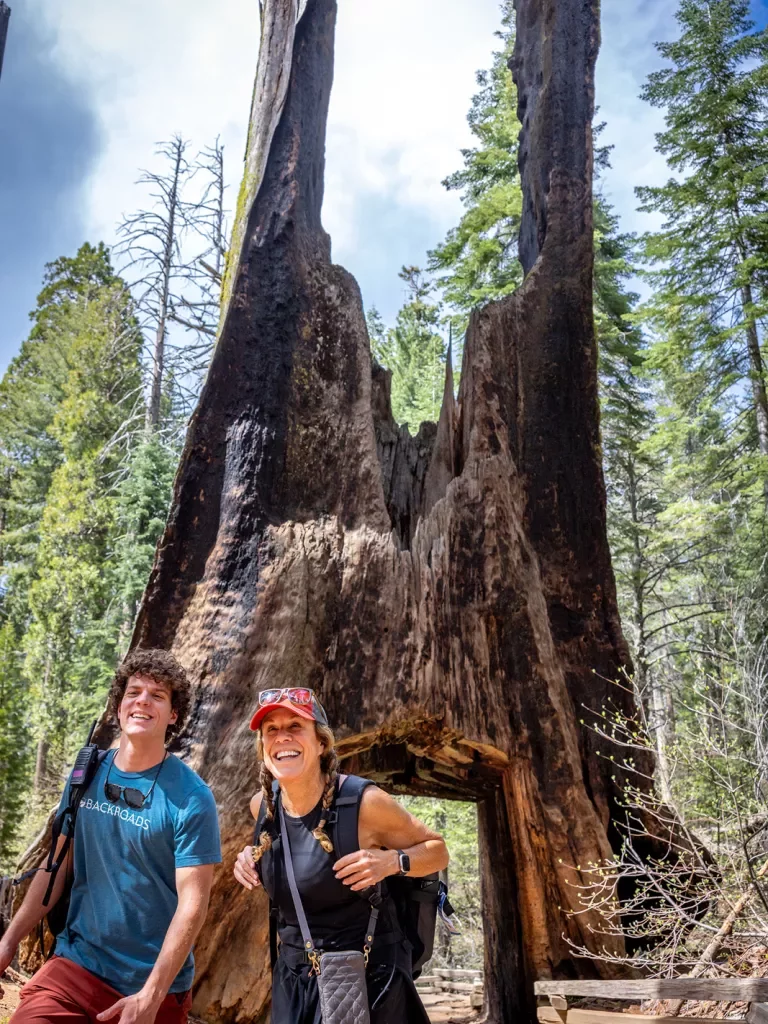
column 343, row 992
column 340, row 975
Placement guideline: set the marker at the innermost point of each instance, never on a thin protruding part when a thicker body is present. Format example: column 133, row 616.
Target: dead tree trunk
column 450, row 597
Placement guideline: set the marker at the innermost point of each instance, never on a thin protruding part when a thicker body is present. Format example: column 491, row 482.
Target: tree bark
column 450, row 597
column 756, row 369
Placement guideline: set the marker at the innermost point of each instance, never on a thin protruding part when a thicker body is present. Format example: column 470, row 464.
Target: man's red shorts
column 66, row 993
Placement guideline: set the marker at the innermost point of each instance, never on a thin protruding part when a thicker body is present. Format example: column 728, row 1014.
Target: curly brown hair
column 163, row 668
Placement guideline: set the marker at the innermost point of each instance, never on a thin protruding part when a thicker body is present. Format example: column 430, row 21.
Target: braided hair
column 265, row 837
column 329, row 764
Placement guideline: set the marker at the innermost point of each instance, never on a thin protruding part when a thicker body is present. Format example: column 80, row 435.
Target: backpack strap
column 346, row 812
column 69, row 814
column 258, row 829
column 259, row 826
column 76, row 792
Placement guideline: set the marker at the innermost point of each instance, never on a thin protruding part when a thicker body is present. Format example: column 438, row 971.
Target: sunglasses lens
column 112, row 792
column 300, row 696
column 268, row 696
column 134, row 798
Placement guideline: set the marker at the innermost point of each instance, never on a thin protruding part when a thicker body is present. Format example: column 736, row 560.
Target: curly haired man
column 146, row 840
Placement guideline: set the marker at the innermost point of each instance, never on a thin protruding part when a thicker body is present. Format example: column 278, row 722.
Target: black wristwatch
column 404, row 861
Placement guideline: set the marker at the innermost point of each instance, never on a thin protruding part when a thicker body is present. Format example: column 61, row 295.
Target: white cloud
column 630, row 28
column 405, row 74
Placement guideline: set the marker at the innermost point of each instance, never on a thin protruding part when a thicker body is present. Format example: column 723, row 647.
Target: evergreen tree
column 15, row 746
column 68, row 404
column 30, row 393
column 478, row 261
column 710, row 258
column 415, row 352
column 143, row 497
column 69, row 652
column 377, row 334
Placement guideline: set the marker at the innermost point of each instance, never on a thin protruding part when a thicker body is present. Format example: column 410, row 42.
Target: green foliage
column 15, row 747
column 415, row 352
column 456, row 822
column 710, row 258
column 143, row 497
column 478, row 260
column 68, row 406
column 68, row 652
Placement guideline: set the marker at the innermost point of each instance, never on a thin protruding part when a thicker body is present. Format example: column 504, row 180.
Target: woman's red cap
column 302, row 710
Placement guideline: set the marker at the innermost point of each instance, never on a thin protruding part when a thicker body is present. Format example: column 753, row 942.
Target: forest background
column 94, row 406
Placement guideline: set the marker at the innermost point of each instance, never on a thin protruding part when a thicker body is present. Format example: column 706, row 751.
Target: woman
column 295, row 746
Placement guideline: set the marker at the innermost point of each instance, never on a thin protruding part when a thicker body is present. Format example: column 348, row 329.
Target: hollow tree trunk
column 450, row 597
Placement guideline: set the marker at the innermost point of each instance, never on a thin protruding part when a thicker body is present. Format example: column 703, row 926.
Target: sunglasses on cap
column 295, row 694
column 299, row 699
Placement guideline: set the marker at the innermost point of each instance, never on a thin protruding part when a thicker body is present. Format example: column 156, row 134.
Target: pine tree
column 15, row 746
column 710, row 258
column 478, row 261
column 415, row 352
column 143, row 497
column 68, row 406
column 69, row 649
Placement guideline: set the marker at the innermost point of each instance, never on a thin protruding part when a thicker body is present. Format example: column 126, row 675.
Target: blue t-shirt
column 124, row 887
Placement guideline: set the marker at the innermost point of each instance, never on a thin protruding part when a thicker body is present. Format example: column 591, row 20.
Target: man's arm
column 193, row 886
column 31, row 912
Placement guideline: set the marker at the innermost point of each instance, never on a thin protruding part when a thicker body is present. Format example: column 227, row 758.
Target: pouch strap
column 303, row 923
column 309, row 945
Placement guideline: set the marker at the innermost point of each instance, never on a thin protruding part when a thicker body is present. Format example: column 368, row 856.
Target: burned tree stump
column 449, row 596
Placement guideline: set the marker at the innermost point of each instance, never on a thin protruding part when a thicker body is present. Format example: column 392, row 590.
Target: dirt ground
column 11, row 988
column 9, row 999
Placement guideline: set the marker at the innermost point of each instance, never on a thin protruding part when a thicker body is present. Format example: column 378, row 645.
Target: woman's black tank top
column 337, row 916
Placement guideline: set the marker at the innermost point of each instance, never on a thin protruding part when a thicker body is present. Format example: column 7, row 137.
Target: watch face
column 405, row 863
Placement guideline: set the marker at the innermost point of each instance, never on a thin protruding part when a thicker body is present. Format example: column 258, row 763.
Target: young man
column 146, row 840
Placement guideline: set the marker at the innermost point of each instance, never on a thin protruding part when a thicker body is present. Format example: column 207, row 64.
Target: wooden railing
column 722, row 990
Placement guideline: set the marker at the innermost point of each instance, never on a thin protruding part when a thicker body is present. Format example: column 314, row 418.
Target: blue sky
column 89, row 87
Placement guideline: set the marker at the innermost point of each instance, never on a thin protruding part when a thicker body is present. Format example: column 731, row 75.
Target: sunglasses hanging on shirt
column 133, row 797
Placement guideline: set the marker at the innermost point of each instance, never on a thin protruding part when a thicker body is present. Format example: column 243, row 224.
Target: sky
column 90, row 87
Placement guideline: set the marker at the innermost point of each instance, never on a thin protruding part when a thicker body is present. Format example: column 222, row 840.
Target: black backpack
column 87, row 761
column 416, row 900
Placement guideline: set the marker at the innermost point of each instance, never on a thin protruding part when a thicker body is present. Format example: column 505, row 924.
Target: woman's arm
column 245, row 869
column 385, row 823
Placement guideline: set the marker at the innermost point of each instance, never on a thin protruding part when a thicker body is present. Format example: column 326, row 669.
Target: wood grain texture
column 548, row 1015
column 729, row 990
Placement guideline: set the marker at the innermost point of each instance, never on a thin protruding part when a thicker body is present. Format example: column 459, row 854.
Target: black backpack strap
column 68, row 814
column 345, row 814
column 259, row 826
column 272, row 935
column 258, row 829
column 75, row 794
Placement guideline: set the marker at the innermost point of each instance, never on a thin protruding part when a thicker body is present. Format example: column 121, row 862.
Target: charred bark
column 450, row 597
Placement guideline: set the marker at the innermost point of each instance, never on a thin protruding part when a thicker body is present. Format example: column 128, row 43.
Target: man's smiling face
column 146, row 709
